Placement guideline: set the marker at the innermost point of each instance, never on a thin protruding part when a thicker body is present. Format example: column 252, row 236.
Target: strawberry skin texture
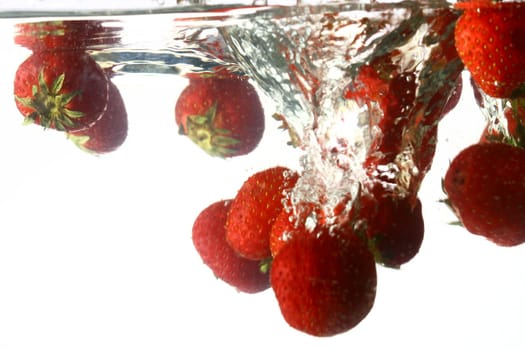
column 254, row 210
column 209, row 239
column 324, row 284
column 485, row 185
column 394, row 227
column 289, row 223
column 221, row 113
column 489, row 40
column 110, row 131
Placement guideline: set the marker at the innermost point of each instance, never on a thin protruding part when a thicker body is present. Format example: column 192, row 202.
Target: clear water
column 99, row 247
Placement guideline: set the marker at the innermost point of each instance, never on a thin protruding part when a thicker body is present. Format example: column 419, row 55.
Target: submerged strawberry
column 254, row 210
column 489, row 39
column 209, row 239
column 221, row 113
column 393, row 225
column 485, row 185
column 63, row 90
column 109, row 132
column 324, row 283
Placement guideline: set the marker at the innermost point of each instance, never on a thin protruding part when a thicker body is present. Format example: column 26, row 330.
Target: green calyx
column 81, row 141
column 215, row 141
column 49, row 105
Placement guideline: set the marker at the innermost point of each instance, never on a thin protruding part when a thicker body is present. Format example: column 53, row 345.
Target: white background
column 96, row 252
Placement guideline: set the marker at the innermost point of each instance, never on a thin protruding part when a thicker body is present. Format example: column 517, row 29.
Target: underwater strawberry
column 109, row 132
column 485, row 186
column 325, row 284
column 489, row 40
column 63, row 90
column 394, row 227
column 221, row 113
column 293, row 222
column 209, row 239
column 254, row 210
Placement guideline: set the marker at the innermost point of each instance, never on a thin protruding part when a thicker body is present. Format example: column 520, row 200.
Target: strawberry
column 304, row 217
column 221, row 113
column 485, row 185
column 109, row 132
column 63, row 90
column 289, row 222
column 324, row 281
column 393, row 225
column 209, row 239
column 255, row 208
column 489, row 40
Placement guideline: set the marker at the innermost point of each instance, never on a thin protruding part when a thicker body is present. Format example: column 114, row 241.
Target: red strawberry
column 485, row 185
column 288, row 223
column 324, row 283
column 303, row 218
column 221, row 113
column 489, row 40
column 109, row 132
column 64, row 90
column 394, row 227
column 255, row 207
column 209, row 238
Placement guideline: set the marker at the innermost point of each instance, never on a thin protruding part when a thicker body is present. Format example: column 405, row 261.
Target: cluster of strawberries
column 61, row 87
column 323, row 275
column 485, row 183
column 320, row 260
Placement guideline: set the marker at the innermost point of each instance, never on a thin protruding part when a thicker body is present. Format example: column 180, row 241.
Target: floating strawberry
column 324, row 282
column 109, row 132
column 489, row 39
column 485, row 185
column 255, row 208
column 63, row 90
column 221, row 113
column 209, row 238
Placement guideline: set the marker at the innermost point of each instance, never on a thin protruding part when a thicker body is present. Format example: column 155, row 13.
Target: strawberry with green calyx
column 325, row 282
column 255, row 208
column 63, row 90
column 485, row 186
column 221, row 113
column 489, row 40
column 209, row 239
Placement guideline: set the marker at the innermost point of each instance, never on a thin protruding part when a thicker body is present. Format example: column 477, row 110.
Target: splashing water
column 305, row 58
